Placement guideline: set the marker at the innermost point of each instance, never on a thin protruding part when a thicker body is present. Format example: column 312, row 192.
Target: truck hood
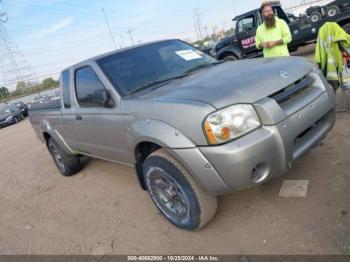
column 245, row 81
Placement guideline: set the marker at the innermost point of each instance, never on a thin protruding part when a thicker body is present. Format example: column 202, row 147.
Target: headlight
column 230, row 123
column 9, row 118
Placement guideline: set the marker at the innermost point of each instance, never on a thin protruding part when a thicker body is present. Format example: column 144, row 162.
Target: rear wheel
column 175, row 194
column 333, row 11
column 68, row 165
column 315, row 17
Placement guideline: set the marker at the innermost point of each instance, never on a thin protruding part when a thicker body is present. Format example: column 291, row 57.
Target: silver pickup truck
column 193, row 128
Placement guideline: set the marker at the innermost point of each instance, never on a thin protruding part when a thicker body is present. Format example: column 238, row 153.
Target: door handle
column 79, row 118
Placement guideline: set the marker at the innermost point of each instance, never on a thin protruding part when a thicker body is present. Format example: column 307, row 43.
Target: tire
column 333, row 11
column 229, row 58
column 315, row 17
column 68, row 165
column 175, row 194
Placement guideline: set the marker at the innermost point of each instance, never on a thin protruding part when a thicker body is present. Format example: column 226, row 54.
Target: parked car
column 10, row 114
column 42, row 99
column 193, row 128
column 23, row 107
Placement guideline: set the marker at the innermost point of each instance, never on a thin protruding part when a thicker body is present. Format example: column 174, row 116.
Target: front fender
column 157, row 132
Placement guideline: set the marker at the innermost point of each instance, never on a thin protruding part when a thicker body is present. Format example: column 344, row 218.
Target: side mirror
column 103, row 98
column 106, row 98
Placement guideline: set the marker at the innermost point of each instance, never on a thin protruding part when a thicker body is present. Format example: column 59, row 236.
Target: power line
column 30, row 79
column 54, row 49
column 55, row 10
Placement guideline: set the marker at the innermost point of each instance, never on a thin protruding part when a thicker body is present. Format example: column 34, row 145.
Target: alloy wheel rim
column 167, row 193
column 58, row 159
column 332, row 12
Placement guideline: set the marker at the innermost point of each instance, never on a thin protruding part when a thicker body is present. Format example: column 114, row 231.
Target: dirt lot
column 102, row 210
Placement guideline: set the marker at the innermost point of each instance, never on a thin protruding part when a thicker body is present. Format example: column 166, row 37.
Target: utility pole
column 195, row 28
column 206, row 31
column 224, row 26
column 109, row 28
column 197, row 16
column 215, row 28
column 14, row 66
column 122, row 39
column 129, row 32
column 234, row 8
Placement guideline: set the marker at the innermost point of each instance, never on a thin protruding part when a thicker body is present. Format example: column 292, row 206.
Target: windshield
column 140, row 67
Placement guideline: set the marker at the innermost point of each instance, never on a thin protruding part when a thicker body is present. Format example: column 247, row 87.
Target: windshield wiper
column 155, row 83
column 202, row 66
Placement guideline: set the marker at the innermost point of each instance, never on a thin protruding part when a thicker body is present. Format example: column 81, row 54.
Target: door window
column 89, row 89
column 246, row 24
column 66, row 89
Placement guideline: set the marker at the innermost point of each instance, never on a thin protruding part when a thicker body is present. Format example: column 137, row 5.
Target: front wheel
column 175, row 194
column 68, row 165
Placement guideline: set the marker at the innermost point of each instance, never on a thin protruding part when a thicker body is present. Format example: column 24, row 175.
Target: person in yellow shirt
column 273, row 36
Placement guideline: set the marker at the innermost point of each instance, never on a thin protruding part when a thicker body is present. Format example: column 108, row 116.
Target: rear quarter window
column 65, row 80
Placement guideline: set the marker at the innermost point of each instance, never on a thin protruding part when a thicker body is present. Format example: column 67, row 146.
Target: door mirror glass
column 102, row 97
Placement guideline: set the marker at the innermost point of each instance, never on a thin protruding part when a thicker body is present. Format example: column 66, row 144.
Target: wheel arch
column 229, row 51
column 141, row 152
column 147, row 136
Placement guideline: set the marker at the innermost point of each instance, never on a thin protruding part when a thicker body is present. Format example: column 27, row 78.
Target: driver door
column 246, row 33
column 99, row 129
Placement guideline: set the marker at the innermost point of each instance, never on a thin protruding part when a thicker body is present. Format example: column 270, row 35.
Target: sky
column 54, row 34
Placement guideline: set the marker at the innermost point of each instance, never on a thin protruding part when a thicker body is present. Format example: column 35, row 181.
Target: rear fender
column 47, row 129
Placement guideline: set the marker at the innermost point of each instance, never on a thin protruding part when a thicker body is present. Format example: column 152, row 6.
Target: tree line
column 27, row 88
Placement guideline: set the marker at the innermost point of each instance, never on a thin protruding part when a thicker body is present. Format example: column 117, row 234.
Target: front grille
column 312, row 135
column 292, row 90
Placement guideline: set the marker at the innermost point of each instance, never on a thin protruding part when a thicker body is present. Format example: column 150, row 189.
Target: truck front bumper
column 263, row 154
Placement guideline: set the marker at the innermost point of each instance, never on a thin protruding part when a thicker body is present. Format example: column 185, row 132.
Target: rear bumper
column 263, row 154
